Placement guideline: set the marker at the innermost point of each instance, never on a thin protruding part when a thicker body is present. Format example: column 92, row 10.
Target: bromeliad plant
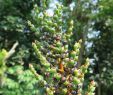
column 56, row 70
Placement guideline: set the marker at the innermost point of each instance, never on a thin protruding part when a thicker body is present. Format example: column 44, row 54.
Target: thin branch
column 12, row 50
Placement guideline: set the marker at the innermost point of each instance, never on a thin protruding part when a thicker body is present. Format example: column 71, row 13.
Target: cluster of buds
column 57, row 61
column 79, row 76
column 60, row 78
column 39, row 77
column 73, row 55
column 46, row 22
column 70, row 29
column 67, row 35
column 91, row 88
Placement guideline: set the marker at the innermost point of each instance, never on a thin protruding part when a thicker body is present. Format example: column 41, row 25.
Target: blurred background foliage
column 91, row 17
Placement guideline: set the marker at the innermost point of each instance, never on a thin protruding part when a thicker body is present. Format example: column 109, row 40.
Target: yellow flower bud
column 76, row 72
column 71, row 22
column 76, row 81
column 64, row 91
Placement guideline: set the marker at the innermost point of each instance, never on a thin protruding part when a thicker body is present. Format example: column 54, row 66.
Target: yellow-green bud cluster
column 43, row 60
column 74, row 54
column 69, row 30
column 46, row 22
column 49, row 91
column 91, row 88
column 32, row 27
column 70, row 78
column 58, row 11
column 39, row 77
column 78, row 78
column 85, row 66
column 57, row 60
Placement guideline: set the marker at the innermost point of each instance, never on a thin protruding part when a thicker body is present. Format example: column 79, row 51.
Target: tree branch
column 12, row 50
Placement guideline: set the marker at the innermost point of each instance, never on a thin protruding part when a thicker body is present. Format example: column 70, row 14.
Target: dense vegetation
column 44, row 45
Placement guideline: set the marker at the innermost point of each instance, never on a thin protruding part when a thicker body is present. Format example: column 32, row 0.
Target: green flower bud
column 71, row 63
column 66, row 60
column 39, row 77
column 66, row 83
column 87, row 62
column 80, row 41
column 49, row 91
column 57, row 76
column 68, row 36
column 71, row 22
column 52, row 70
column 81, row 75
column 73, row 54
column 83, row 69
column 64, row 91
column 55, row 17
column 82, row 79
column 55, row 24
column 49, row 22
column 46, row 27
column 70, row 29
column 76, row 58
column 37, row 11
column 46, row 65
column 62, row 49
column 76, row 46
column 66, row 47
column 77, row 51
column 29, row 23
column 57, row 11
column 52, row 30
column 76, row 72
column 76, row 81
column 91, row 89
column 58, row 44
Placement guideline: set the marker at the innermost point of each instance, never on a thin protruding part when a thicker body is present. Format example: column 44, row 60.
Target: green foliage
column 15, row 79
column 46, row 59
column 9, row 24
column 102, row 48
